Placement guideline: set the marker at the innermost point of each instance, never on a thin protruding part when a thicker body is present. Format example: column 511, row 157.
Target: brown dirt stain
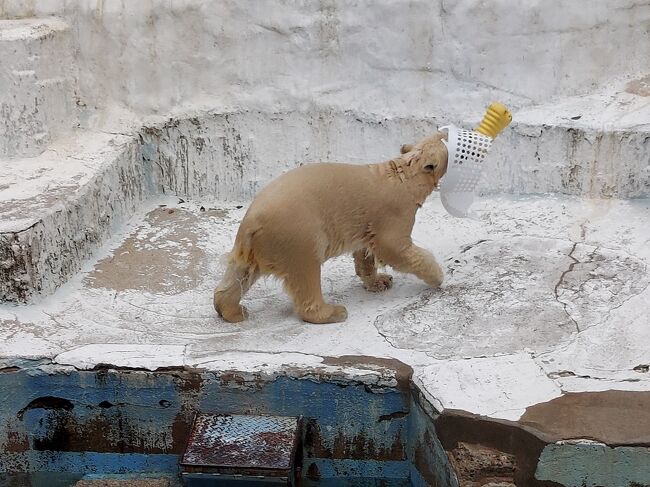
column 163, row 256
column 639, row 87
column 520, row 444
column 476, row 465
column 612, row 417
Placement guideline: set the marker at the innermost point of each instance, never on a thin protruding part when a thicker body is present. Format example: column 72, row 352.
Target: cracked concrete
column 501, row 278
column 498, row 337
column 561, row 281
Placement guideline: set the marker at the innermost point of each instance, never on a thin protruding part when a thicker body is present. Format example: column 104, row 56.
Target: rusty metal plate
column 242, row 444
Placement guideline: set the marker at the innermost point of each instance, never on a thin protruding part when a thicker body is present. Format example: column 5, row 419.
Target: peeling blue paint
column 354, row 470
column 429, row 462
column 105, row 422
column 91, row 463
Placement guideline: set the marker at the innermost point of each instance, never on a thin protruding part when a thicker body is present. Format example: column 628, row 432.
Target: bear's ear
column 429, row 168
column 406, row 148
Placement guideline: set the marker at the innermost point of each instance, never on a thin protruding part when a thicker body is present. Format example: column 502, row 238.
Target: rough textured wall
column 430, row 465
column 543, row 48
column 244, row 92
column 231, row 156
column 37, row 84
column 531, row 159
column 71, row 225
column 389, row 54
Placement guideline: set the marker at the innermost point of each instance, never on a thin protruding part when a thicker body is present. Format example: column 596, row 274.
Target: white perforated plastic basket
column 466, row 154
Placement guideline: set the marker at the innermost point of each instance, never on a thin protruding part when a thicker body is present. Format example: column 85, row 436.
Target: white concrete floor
column 542, row 295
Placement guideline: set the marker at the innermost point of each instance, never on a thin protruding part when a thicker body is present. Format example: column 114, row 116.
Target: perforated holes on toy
column 466, row 153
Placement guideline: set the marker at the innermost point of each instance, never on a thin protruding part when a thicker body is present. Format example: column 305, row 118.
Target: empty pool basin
column 132, row 140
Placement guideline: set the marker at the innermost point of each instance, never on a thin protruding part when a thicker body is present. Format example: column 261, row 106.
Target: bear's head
column 428, row 157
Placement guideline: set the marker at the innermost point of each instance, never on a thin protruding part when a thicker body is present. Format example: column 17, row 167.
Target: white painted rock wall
column 386, row 56
column 231, row 156
column 37, row 84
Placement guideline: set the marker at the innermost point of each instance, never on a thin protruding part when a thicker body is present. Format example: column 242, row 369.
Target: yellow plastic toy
column 496, row 118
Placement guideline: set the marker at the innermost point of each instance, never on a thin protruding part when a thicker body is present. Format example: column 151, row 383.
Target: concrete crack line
column 419, row 300
column 561, row 280
column 645, row 288
column 117, row 133
column 452, row 359
column 569, row 373
column 385, row 337
column 471, row 246
column 491, row 414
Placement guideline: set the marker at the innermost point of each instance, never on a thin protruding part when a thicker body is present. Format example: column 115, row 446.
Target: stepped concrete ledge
column 594, row 145
column 88, row 182
column 58, row 207
column 37, row 95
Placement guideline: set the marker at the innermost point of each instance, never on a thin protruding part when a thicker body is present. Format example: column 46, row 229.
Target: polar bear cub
column 315, row 212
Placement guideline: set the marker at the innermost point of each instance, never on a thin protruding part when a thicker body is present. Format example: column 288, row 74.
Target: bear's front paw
column 435, row 279
column 382, row 282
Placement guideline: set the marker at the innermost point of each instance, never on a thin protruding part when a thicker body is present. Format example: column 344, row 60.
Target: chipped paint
column 430, row 465
column 115, row 416
column 588, row 415
column 604, row 292
column 244, row 445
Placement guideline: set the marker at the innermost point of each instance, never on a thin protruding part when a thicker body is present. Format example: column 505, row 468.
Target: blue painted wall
column 594, row 465
column 429, row 462
column 106, row 421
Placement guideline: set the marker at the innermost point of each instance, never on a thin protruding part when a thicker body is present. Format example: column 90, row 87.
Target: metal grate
column 242, row 445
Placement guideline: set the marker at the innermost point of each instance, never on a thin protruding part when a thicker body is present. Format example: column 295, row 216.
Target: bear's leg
column 302, row 283
column 404, row 256
column 366, row 269
column 236, row 281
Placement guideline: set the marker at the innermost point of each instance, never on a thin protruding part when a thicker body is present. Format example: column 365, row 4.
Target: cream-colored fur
column 316, row 212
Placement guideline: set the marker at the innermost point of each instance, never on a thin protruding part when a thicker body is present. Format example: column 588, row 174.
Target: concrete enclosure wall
column 212, row 99
column 37, row 84
column 154, row 55
column 134, row 421
column 230, row 156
